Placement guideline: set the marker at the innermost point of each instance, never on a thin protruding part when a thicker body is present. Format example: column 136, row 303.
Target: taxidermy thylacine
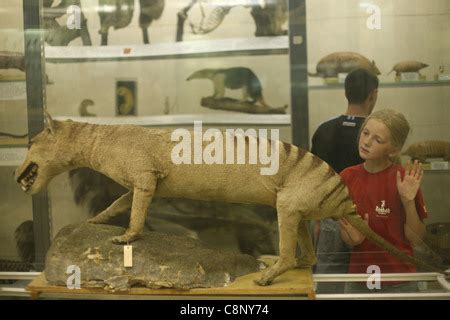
column 304, row 188
column 233, row 78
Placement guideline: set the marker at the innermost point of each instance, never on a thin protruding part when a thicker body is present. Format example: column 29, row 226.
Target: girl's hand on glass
column 409, row 185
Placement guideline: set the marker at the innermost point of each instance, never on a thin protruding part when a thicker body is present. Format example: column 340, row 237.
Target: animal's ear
column 373, row 62
column 49, row 120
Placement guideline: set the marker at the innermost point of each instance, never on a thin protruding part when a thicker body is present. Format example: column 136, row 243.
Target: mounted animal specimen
column 242, row 78
column 233, row 78
column 82, row 109
column 118, row 14
column 428, row 149
column 304, row 188
column 58, row 35
column 343, row 62
column 269, row 19
column 407, row 66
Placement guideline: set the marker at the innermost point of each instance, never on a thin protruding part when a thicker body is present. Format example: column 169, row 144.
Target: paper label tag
column 128, row 256
column 341, row 77
column 439, row 165
column 444, row 77
column 410, row 76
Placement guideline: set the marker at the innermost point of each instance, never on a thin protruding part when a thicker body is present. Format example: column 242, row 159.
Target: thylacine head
column 48, row 156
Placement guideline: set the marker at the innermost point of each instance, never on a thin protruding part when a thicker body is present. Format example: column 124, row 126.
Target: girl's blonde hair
column 396, row 123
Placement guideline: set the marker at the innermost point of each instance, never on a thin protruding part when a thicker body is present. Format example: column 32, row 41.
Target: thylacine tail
column 356, row 221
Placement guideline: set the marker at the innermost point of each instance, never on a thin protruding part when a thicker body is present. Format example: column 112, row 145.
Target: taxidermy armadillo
column 12, row 60
column 407, row 66
column 429, row 149
column 343, row 62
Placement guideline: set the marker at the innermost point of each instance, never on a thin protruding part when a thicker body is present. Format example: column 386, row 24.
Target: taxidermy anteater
column 233, row 78
column 343, row 62
column 121, row 16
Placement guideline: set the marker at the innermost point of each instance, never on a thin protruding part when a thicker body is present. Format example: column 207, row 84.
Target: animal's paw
column 263, row 282
column 266, row 277
column 124, row 239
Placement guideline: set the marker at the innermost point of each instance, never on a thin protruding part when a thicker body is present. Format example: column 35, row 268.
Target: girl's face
column 375, row 141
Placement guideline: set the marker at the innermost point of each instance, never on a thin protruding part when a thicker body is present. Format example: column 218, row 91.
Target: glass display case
column 274, row 64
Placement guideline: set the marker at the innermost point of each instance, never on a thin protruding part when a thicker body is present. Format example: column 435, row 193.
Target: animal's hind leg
column 145, row 35
column 119, row 206
column 245, row 94
column 287, row 223
column 308, row 257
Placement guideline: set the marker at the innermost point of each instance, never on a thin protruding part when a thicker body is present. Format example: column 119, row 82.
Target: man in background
column 335, row 141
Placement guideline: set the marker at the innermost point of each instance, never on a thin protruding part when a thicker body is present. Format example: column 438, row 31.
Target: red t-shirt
column 376, row 194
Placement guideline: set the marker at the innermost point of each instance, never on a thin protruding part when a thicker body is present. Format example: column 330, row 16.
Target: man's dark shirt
column 336, row 142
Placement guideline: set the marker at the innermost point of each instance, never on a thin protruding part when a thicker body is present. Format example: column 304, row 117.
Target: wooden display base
column 297, row 282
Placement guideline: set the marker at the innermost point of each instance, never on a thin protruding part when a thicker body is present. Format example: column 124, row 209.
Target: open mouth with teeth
column 28, row 176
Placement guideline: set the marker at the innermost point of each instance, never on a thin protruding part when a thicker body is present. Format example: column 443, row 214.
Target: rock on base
column 159, row 260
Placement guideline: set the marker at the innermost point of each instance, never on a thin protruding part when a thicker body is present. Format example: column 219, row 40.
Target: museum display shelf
column 301, row 283
column 188, row 119
column 393, row 84
column 188, row 49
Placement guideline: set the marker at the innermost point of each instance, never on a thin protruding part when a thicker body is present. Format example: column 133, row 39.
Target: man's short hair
column 359, row 84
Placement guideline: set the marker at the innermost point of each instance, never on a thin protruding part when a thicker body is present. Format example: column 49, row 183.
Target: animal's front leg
column 245, row 94
column 288, row 223
column 141, row 202
column 219, row 86
column 119, row 206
